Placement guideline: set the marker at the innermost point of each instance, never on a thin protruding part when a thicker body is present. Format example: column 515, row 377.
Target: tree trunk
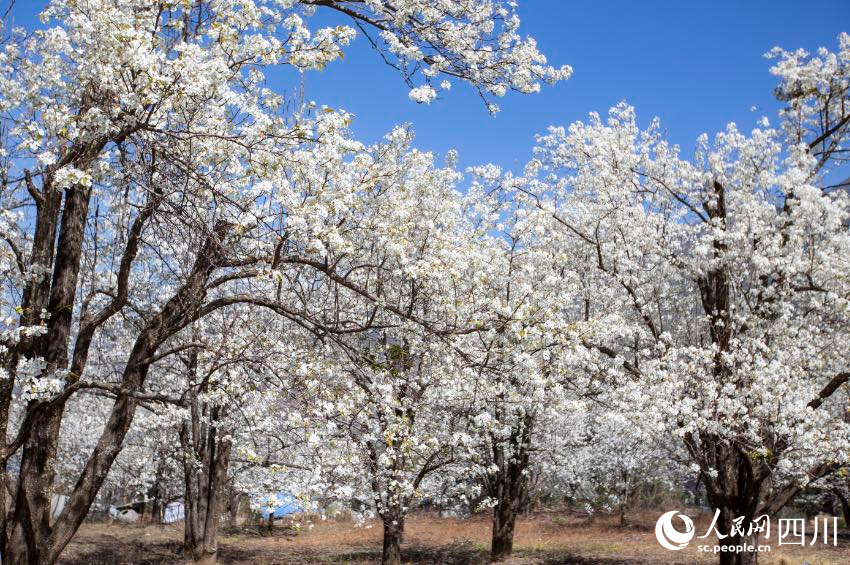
column 157, row 493
column 744, row 557
column 504, row 522
column 735, row 494
column 206, row 458
column 7, row 487
column 30, row 524
column 845, row 507
column 509, row 486
column 33, row 301
column 733, row 480
column 30, row 541
column 30, row 538
column 203, row 507
column 156, row 511
column 393, row 532
column 625, row 496
column 218, row 478
column 233, row 508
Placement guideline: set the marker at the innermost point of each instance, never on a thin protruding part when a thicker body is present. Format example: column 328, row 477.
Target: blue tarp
column 282, row 504
column 174, row 512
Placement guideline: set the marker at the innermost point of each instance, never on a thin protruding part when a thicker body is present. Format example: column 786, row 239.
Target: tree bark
column 32, row 540
column 736, row 491
column 157, row 493
column 509, row 487
column 733, row 479
column 30, row 523
column 233, row 507
column 845, row 507
column 33, row 301
column 27, row 535
column 206, row 458
column 743, row 557
column 393, row 532
column 504, row 523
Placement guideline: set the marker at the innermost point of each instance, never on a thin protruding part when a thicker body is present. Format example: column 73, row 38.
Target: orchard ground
column 543, row 538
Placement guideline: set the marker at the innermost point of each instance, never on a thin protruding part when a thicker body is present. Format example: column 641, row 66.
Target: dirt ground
column 541, row 539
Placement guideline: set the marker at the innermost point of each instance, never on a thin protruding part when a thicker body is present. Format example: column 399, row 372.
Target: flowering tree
column 606, row 463
column 386, row 399
column 729, row 276
column 523, row 358
column 381, row 424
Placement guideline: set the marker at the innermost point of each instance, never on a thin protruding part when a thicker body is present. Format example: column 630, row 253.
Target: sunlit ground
column 545, row 538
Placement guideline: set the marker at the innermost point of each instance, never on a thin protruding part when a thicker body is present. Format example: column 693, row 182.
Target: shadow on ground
column 119, row 552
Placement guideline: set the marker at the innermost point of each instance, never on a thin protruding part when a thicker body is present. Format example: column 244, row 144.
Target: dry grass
column 541, row 539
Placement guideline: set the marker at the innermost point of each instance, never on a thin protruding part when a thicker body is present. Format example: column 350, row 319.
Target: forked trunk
column 205, row 464
column 31, row 539
column 29, row 527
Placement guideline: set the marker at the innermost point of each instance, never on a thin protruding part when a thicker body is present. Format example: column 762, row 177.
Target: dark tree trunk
column 203, row 505
column 157, row 500
column 30, row 524
column 736, row 491
column 217, row 481
column 31, row 539
column 233, row 507
column 393, row 533
column 845, row 507
column 742, row 558
column 206, row 457
column 156, row 511
column 625, row 497
column 504, row 523
column 732, row 478
column 509, row 486
column 26, row 532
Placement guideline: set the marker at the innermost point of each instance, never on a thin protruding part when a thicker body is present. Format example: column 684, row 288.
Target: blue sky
column 696, row 65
